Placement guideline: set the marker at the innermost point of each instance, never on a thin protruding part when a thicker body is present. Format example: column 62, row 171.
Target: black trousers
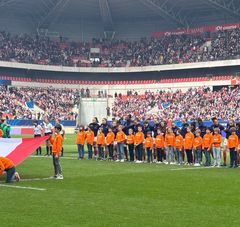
column 160, row 154
column 110, row 151
column 233, row 157
column 139, row 150
column 39, row 149
column 189, row 156
column 131, row 151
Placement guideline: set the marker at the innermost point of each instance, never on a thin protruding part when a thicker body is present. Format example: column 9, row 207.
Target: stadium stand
column 173, row 49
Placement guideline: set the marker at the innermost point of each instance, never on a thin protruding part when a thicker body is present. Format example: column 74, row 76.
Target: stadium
column 119, row 112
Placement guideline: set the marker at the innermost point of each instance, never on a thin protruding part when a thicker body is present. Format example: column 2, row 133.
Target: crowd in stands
column 192, row 104
column 55, row 103
column 165, row 50
column 178, row 105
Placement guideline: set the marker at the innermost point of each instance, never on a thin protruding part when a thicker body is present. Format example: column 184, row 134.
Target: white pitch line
column 210, row 167
column 22, row 187
column 34, row 156
column 38, row 179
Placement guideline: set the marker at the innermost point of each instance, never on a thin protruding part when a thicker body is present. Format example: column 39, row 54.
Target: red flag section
column 25, row 149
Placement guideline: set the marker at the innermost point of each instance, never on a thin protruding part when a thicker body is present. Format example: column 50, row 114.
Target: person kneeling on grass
column 7, row 166
column 56, row 141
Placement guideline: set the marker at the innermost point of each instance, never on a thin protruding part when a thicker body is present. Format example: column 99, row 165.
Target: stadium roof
column 166, row 13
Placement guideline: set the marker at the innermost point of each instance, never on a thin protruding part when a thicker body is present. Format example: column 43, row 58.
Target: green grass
column 121, row 194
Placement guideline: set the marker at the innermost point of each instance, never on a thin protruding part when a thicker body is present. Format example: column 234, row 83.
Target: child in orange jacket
column 89, row 141
column 1, row 133
column 100, row 143
column 233, row 147
column 197, row 147
column 120, row 139
column 207, row 139
column 188, row 145
column 7, row 166
column 170, row 144
column 57, row 141
column 130, row 144
column 109, row 142
column 179, row 147
column 149, row 147
column 139, row 139
column 216, row 147
column 159, row 144
column 81, row 136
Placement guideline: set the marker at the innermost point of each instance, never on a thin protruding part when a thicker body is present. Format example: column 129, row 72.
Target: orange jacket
column 100, row 138
column 81, row 136
column 207, row 139
column 57, row 142
column 233, row 142
column 197, row 142
column 110, row 138
column 90, row 137
column 159, row 141
column 170, row 139
column 5, row 164
column 188, row 142
column 179, row 142
column 120, row 137
column 139, row 138
column 130, row 139
column 1, row 133
column 149, row 142
column 216, row 140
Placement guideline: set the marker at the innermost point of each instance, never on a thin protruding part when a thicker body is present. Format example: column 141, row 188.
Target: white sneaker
column 117, row 160
column 59, row 177
column 17, row 177
column 172, row 163
column 165, row 162
column 218, row 166
column 122, row 160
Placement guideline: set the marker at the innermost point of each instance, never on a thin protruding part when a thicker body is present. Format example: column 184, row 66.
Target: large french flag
column 20, row 149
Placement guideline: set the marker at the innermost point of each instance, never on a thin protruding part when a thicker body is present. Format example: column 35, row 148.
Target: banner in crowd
column 212, row 28
column 20, row 149
column 17, row 122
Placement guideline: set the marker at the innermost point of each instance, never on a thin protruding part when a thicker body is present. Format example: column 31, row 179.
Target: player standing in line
column 48, row 130
column 38, row 133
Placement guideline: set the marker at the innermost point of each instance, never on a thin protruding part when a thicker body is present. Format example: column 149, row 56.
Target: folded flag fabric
column 20, row 149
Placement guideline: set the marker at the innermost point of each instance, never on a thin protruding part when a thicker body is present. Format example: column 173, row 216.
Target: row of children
column 169, row 148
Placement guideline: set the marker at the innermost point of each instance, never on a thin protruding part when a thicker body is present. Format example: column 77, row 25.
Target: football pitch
column 96, row 193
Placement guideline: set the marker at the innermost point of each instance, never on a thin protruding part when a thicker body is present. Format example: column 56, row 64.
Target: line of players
column 139, row 143
column 47, row 129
